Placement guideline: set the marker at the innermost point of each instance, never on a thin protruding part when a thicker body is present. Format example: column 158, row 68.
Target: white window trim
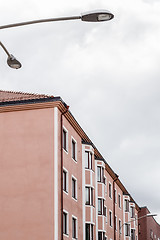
column 76, row 227
column 65, row 170
column 111, row 189
column 67, row 234
column 73, row 177
column 73, row 139
column 66, row 151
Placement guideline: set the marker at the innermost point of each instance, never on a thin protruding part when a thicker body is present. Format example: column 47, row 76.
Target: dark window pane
column 73, row 228
column 65, row 223
column 73, row 188
column 99, row 174
column 64, row 140
column 64, row 181
column 73, row 150
column 86, row 159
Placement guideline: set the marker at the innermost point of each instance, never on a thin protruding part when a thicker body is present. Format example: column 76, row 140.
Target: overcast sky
column 108, row 73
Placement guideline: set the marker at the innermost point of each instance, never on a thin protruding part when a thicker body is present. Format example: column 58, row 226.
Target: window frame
column 91, row 231
column 110, row 190
column 75, row 233
column 74, row 196
column 74, row 149
column 65, row 221
column 110, row 218
column 89, row 160
column 89, row 202
column 66, row 180
column 65, row 148
column 101, row 211
column 100, row 177
column 119, row 201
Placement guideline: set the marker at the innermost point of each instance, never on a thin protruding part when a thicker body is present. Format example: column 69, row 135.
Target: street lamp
column 92, row 16
column 147, row 215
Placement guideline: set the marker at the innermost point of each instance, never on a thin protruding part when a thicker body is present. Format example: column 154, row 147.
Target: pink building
column 54, row 183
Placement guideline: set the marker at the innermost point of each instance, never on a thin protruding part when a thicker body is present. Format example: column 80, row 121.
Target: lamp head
column 13, row 62
column 97, row 16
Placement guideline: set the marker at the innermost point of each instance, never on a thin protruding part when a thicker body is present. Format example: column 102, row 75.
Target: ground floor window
column 89, row 231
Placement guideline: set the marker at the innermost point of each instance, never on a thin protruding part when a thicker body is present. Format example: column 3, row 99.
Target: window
column 65, row 223
column 101, row 208
column 151, row 234
column 116, row 222
column 110, row 190
column 65, row 139
column 132, row 212
column 89, row 196
column 88, row 160
column 65, row 180
column 110, row 218
column 115, row 196
column 101, row 236
column 74, row 188
column 126, row 205
column 74, row 149
column 127, row 229
column 120, row 227
column 119, row 200
column 132, row 234
column 89, row 231
column 100, row 174
column 74, row 228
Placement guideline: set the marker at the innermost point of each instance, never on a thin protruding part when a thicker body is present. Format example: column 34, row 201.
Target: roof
column 8, row 96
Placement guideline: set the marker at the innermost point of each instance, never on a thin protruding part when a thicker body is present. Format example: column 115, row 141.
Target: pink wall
column 26, row 175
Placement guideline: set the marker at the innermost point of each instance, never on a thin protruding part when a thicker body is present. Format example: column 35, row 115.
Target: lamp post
column 147, row 215
column 92, row 16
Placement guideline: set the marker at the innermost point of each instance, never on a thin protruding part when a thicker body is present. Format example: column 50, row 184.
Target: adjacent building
column 54, row 183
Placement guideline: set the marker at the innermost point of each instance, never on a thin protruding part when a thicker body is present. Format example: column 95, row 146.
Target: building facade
column 54, row 183
column 148, row 227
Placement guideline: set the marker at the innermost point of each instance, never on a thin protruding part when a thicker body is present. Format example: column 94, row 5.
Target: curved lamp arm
column 147, row 215
column 91, row 16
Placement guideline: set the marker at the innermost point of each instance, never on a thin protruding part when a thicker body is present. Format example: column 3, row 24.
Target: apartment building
column 54, row 183
column 149, row 229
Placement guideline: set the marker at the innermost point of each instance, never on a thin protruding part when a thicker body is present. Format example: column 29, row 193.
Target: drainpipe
column 114, row 207
column 62, row 170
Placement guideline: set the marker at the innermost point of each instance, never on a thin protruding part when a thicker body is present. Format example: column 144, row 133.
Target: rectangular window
column 116, row 222
column 101, row 236
column 119, row 200
column 101, row 207
column 132, row 212
column 65, row 139
column 133, row 234
column 88, row 160
column 74, row 188
column 126, row 205
column 74, row 149
column 127, row 229
column 115, row 195
column 100, row 174
column 89, row 196
column 110, row 218
column 110, row 190
column 120, row 227
column 65, row 222
column 74, row 228
column 89, row 231
column 65, row 180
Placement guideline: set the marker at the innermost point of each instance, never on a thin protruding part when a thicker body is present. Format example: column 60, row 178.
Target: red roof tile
column 9, row 96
